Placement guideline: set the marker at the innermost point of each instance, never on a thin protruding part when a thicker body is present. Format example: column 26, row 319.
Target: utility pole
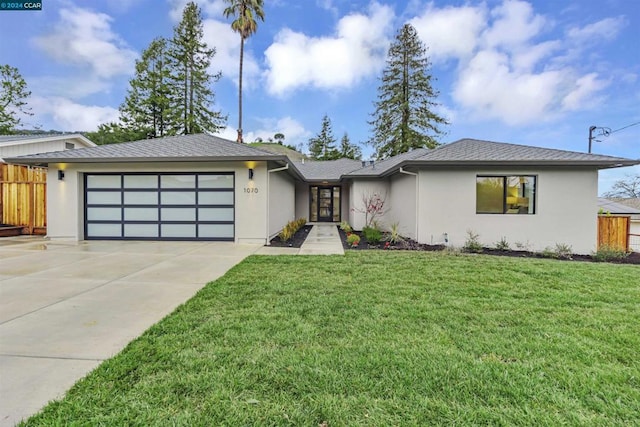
column 591, row 137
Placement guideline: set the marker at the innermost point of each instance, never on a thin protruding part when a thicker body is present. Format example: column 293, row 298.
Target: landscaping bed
column 412, row 245
column 295, row 242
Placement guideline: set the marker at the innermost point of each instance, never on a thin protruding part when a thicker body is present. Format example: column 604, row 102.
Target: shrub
column 608, row 253
column 502, row 244
column 289, row 230
column 344, row 226
column 560, row 251
column 373, row 235
column 394, row 236
column 472, row 244
column 353, row 240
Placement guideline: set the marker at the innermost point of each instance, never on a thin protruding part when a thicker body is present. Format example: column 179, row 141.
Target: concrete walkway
column 323, row 239
column 66, row 307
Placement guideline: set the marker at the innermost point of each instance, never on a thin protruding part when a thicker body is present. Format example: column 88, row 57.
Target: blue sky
column 536, row 72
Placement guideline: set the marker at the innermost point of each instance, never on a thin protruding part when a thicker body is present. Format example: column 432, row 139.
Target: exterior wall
column 302, row 200
column 65, row 199
column 366, row 188
column 566, row 210
column 282, row 201
column 403, row 204
column 24, row 149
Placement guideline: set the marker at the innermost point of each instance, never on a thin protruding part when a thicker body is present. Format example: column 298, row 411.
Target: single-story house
column 22, row 145
column 201, row 187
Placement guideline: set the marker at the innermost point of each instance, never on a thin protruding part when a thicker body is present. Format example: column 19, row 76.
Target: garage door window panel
column 175, row 206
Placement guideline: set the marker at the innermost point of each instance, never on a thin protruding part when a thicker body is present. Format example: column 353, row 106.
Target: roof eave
column 49, row 160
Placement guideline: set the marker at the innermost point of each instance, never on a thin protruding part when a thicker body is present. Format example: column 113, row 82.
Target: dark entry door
column 325, row 204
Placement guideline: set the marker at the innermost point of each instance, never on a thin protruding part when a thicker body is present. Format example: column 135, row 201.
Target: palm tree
column 245, row 13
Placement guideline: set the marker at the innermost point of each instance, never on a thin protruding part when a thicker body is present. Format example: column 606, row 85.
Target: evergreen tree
column 245, row 12
column 404, row 117
column 349, row 150
column 191, row 81
column 13, row 92
column 322, row 147
column 111, row 133
column 146, row 108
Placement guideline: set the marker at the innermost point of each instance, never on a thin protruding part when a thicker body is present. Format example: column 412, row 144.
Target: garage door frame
column 198, row 188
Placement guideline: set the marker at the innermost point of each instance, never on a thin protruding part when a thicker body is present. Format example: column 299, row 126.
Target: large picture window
column 511, row 194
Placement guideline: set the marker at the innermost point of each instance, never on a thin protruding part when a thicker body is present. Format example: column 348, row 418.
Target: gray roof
column 328, row 170
column 616, row 208
column 477, row 152
column 384, row 166
column 196, row 147
column 7, row 139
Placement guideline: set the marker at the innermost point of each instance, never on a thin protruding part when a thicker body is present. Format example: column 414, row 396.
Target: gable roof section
column 615, row 207
column 327, row 170
column 195, row 147
column 388, row 165
column 474, row 152
column 9, row 140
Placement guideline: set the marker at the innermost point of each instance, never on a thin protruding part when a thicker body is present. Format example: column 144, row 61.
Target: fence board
column 23, row 197
column 613, row 232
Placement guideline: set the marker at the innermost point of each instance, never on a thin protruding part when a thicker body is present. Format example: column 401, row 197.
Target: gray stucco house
column 201, row 187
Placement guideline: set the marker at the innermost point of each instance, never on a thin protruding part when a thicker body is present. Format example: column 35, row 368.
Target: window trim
column 504, row 193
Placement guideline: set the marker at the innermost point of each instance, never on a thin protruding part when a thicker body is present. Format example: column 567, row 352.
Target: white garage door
column 159, row 206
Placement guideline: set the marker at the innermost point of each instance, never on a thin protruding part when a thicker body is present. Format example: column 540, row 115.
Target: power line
column 627, row 126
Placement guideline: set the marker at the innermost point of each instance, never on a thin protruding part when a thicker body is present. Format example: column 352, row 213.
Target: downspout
column 417, row 196
column 269, row 171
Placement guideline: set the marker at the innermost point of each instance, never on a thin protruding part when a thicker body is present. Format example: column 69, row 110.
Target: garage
column 159, row 206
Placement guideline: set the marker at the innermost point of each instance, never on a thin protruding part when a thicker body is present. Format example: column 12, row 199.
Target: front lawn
column 381, row 339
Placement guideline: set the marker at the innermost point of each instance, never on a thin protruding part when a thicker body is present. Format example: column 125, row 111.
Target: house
column 626, row 207
column 21, row 145
column 203, row 187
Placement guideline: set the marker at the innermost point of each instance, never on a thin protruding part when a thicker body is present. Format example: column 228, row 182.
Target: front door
column 325, row 204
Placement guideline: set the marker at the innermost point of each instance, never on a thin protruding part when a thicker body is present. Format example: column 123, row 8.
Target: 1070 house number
column 249, row 190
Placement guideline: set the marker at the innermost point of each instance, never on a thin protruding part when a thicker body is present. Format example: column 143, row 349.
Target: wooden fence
column 23, row 197
column 613, row 231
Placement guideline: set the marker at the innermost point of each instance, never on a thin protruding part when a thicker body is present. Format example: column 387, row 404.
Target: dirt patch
column 412, row 245
column 295, row 242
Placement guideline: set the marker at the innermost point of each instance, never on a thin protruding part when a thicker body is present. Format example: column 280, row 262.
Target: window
column 513, row 194
column 69, row 145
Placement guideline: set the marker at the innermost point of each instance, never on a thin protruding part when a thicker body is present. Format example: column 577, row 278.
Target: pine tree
column 322, row 147
column 191, row 81
column 112, row 133
column 404, row 117
column 146, row 108
column 13, row 92
column 349, row 150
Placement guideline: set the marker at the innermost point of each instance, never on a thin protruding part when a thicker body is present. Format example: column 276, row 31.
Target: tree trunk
column 240, row 90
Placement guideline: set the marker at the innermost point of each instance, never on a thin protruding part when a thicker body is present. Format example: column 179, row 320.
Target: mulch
column 295, row 242
column 412, row 245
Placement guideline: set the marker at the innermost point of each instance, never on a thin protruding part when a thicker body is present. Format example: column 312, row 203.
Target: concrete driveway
column 65, row 307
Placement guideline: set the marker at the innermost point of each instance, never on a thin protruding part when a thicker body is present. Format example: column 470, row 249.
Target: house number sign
column 250, row 190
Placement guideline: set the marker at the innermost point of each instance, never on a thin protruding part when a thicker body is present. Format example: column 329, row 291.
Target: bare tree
column 625, row 188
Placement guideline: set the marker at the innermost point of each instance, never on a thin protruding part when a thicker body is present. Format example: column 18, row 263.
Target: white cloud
column 66, row 115
column 509, row 68
column 227, row 44
column 515, row 25
column 85, row 38
column 607, row 29
column 208, row 7
column 355, row 51
column 489, row 87
column 450, row 32
column 582, row 95
column 294, row 131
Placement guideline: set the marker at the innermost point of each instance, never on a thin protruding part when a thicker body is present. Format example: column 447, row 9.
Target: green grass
column 381, row 339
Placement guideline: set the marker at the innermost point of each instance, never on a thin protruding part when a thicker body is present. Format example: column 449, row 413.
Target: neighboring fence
column 23, row 197
column 613, row 231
